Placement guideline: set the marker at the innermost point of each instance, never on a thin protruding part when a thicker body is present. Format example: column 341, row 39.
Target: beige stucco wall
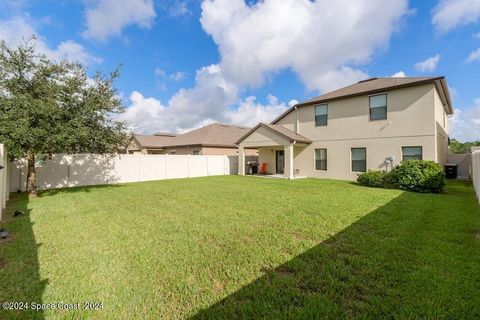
column 410, row 112
column 441, row 140
column 263, row 137
column 267, row 155
column 441, row 121
column 182, row 150
column 339, row 155
column 227, row 151
column 414, row 118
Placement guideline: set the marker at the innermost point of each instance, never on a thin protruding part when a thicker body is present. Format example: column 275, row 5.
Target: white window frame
column 370, row 108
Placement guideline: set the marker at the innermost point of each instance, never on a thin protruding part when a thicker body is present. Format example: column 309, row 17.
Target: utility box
column 451, row 171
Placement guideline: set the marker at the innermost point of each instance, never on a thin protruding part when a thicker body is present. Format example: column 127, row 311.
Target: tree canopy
column 462, row 147
column 55, row 107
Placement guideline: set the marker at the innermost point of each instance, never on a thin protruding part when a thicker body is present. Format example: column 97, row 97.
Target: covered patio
column 277, row 148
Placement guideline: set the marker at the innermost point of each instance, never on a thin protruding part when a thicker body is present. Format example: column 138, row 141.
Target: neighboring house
column 149, row 144
column 373, row 124
column 214, row 139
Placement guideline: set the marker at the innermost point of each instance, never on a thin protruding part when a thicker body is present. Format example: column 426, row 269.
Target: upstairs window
column 412, row 153
column 321, row 159
column 359, row 159
column 378, row 107
column 321, row 115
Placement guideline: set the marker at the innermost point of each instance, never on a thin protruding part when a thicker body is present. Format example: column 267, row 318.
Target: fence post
column 208, row 168
column 224, row 165
column 3, row 180
column 166, row 166
column 476, row 172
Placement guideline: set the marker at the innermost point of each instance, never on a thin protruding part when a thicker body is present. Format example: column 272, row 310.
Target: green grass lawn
column 243, row 247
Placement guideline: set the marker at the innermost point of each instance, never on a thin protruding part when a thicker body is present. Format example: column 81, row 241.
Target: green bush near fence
column 413, row 175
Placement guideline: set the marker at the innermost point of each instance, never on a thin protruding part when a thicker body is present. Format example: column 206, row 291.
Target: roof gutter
column 446, row 93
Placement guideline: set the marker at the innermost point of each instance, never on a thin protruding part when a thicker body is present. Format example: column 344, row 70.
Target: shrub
column 418, row 176
column 374, row 179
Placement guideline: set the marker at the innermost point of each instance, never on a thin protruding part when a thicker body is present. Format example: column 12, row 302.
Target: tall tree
column 54, row 107
column 462, row 147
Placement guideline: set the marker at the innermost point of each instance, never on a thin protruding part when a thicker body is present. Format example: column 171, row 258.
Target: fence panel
column 476, row 172
column 152, row 168
column 90, row 169
column 464, row 164
column 198, row 166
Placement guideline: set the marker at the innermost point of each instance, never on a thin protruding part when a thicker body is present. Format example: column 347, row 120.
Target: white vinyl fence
column 3, row 179
column 464, row 164
column 476, row 172
column 89, row 169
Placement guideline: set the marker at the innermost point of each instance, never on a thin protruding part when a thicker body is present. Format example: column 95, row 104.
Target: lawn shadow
column 410, row 258
column 52, row 192
column 20, row 279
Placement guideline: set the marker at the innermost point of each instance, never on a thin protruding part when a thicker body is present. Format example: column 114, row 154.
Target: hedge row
column 412, row 175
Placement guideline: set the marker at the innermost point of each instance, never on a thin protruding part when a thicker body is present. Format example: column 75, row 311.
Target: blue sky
column 188, row 63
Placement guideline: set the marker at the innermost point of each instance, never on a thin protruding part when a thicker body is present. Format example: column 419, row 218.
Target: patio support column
column 288, row 151
column 241, row 160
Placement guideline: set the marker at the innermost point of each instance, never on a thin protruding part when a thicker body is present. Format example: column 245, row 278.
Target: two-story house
column 373, row 124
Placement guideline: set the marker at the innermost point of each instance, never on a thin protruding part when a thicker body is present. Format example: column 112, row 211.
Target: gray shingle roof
column 368, row 85
column 216, row 134
column 213, row 135
column 155, row 142
column 165, row 134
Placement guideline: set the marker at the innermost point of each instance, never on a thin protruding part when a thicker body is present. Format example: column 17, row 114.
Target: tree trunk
column 31, row 176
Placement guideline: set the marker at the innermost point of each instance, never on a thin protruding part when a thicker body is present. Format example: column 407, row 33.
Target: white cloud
column 19, row 28
column 453, row 92
column 336, row 78
column 399, row 74
column 178, row 76
column 213, row 99
column 71, row 50
column 319, row 41
column 187, row 108
column 208, row 99
column 162, row 77
column 106, row 18
column 465, row 124
column 473, row 56
column 179, row 9
column 257, row 41
column 449, row 14
column 160, row 72
column 144, row 115
column 16, row 5
column 477, row 35
column 249, row 113
column 428, row 65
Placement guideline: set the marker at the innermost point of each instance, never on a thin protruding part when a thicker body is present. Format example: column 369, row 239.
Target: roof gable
column 279, row 130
